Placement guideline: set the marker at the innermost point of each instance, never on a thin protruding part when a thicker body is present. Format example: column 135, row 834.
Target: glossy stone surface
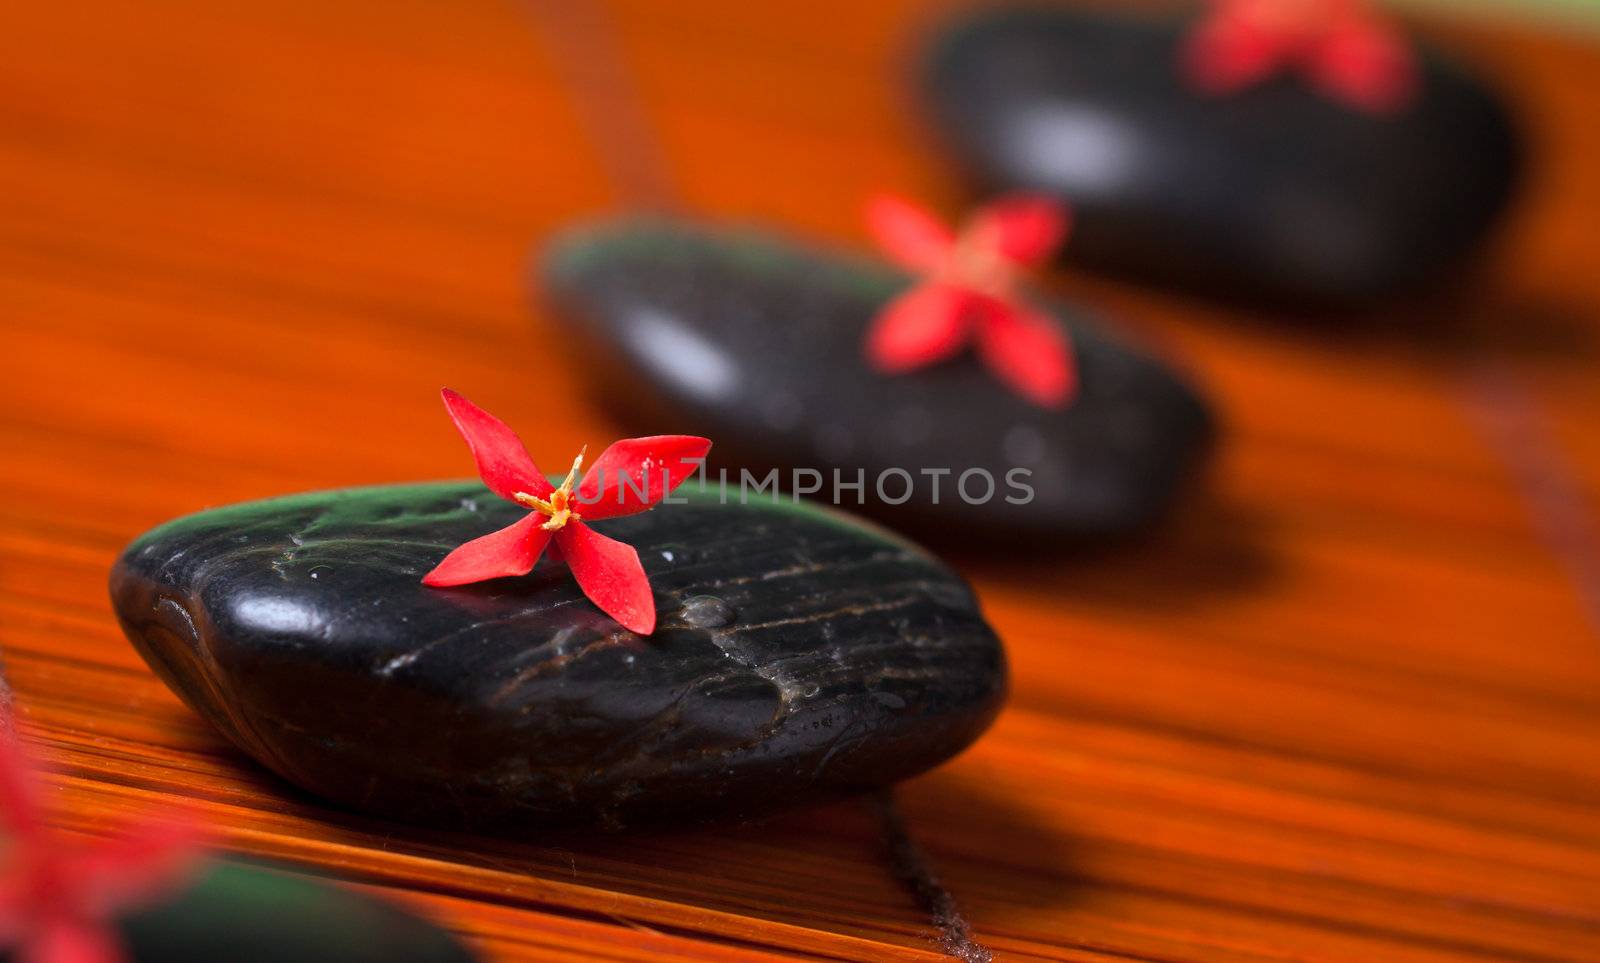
column 1275, row 191
column 800, row 655
column 755, row 342
column 246, row 914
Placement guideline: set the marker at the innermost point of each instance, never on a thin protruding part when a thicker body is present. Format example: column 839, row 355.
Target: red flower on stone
column 969, row 292
column 627, row 478
column 1346, row 48
column 59, row 901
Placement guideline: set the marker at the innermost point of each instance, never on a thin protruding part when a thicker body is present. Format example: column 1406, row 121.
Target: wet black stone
column 246, row 914
column 1274, row 192
column 800, row 655
column 755, row 342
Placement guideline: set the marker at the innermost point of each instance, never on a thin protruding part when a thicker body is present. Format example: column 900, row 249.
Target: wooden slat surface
column 1343, row 708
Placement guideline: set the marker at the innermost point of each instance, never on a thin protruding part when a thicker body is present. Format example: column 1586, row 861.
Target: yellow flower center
column 975, row 264
column 559, row 505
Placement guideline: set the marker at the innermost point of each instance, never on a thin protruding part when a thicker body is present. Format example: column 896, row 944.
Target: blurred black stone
column 800, row 656
column 755, row 342
column 1276, row 192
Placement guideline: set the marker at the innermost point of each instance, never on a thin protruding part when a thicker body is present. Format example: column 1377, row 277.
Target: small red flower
column 1346, row 48
column 59, row 901
column 628, row 478
column 969, row 291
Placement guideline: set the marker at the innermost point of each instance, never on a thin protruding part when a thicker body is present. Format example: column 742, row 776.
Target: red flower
column 1345, row 47
column 628, row 478
column 969, row 292
column 59, row 902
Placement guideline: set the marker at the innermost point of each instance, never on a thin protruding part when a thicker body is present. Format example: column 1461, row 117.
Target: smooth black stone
column 755, row 342
column 799, row 656
column 1275, row 192
column 246, row 914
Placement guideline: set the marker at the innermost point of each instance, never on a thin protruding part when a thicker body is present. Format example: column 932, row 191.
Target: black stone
column 1275, row 192
column 800, row 655
column 755, row 342
column 247, row 914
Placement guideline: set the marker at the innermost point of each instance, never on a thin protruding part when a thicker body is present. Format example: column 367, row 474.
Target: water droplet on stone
column 707, row 612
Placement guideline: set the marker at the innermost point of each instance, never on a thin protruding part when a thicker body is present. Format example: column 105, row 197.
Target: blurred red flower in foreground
column 629, row 477
column 969, row 291
column 1345, row 47
column 59, row 901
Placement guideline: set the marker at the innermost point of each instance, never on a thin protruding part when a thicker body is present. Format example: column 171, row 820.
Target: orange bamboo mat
column 1343, row 708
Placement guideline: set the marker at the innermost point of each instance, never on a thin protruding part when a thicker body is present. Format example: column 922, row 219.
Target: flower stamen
column 975, row 263
column 559, row 505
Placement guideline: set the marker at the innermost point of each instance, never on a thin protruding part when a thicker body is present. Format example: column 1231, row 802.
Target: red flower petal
column 141, row 865
column 67, row 939
column 913, row 238
column 1366, row 64
column 512, row 550
column 1026, row 228
column 634, row 465
column 923, row 325
column 611, row 576
column 19, row 805
column 1228, row 52
column 503, row 462
column 61, row 910
column 13, row 904
column 1029, row 352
